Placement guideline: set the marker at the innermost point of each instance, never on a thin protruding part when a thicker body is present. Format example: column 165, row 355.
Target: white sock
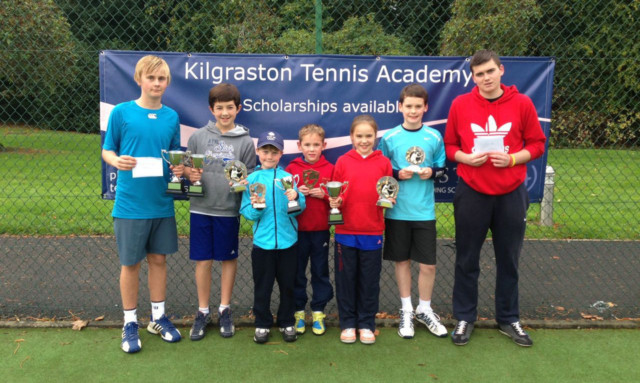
column 222, row 307
column 157, row 310
column 424, row 306
column 204, row 310
column 406, row 303
column 130, row 316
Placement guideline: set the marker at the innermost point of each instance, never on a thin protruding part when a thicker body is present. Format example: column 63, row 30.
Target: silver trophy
column 175, row 158
column 197, row 161
column 259, row 190
column 415, row 156
column 235, row 171
column 387, row 188
column 335, row 189
column 289, row 182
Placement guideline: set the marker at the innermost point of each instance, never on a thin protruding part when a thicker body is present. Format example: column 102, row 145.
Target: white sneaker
column 405, row 329
column 432, row 321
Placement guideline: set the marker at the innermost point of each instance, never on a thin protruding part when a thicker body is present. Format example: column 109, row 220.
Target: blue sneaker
column 199, row 328
column 165, row 328
column 130, row 338
column 227, row 329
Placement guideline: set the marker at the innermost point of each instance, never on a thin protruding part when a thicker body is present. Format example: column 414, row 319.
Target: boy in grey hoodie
column 215, row 222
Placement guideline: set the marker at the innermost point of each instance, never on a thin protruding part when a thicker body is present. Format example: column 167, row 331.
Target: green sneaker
column 318, row 323
column 299, row 316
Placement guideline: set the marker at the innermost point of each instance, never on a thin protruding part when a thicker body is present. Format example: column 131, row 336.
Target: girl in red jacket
column 358, row 260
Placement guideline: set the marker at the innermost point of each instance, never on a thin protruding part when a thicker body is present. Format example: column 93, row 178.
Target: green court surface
column 93, row 355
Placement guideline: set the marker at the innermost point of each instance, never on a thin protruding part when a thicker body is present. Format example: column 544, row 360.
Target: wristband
column 513, row 161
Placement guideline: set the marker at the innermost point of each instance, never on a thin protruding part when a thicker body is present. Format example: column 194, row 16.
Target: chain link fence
column 57, row 253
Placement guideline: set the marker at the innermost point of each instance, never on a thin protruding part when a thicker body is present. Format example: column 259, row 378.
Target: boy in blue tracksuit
column 275, row 237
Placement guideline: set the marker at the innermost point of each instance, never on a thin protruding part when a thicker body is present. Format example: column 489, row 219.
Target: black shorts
column 415, row 240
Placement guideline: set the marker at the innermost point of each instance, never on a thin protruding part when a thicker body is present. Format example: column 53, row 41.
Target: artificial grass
column 93, row 354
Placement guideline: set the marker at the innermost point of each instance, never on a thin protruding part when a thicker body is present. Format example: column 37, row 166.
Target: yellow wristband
column 513, row 161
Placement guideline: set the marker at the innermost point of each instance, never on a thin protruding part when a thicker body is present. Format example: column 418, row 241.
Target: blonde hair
column 364, row 119
column 311, row 129
column 149, row 64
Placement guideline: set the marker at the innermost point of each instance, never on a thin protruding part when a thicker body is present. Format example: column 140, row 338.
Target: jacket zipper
column 275, row 206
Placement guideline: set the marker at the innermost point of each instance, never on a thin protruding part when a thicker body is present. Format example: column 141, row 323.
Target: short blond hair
column 311, row 129
column 149, row 64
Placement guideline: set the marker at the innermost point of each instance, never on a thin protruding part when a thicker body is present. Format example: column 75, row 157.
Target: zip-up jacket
column 273, row 227
column 315, row 216
column 513, row 117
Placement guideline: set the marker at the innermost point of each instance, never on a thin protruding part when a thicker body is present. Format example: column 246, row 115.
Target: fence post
column 546, row 207
column 318, row 8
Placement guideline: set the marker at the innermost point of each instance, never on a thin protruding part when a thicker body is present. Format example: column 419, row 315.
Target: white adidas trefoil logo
column 491, row 128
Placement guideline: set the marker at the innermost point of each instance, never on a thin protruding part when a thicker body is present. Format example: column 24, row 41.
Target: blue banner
column 283, row 93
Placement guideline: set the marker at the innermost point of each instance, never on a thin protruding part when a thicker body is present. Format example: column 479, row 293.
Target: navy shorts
column 213, row 238
column 415, row 240
column 138, row 237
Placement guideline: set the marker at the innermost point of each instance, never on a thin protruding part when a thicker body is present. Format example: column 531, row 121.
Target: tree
column 504, row 26
column 37, row 55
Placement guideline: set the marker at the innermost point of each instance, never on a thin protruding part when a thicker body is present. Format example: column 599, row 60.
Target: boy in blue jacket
column 275, row 237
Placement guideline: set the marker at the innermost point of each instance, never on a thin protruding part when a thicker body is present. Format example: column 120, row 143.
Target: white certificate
column 147, row 167
column 486, row 144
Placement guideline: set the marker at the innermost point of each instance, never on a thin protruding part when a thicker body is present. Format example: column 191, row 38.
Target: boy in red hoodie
column 313, row 228
column 492, row 132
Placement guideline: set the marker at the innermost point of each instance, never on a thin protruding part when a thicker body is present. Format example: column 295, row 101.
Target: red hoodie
column 513, row 116
column 359, row 210
column 315, row 216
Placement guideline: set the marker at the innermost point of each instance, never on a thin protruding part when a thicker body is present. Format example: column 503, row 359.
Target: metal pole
column 546, row 206
column 318, row 27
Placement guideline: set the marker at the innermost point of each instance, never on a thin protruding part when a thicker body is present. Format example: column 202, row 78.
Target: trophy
column 334, row 189
column 387, row 188
column 197, row 161
column 259, row 190
column 415, row 156
column 310, row 178
column 287, row 183
column 235, row 171
column 175, row 158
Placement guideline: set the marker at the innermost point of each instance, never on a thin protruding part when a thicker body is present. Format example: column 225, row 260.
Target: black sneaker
column 289, row 334
column 227, row 329
column 461, row 334
column 261, row 335
column 517, row 334
column 199, row 328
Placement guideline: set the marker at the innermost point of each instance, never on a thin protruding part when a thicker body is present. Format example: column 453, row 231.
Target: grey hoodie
column 235, row 144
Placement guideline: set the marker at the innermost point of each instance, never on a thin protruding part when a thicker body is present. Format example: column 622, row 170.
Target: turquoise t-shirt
column 140, row 132
column 415, row 201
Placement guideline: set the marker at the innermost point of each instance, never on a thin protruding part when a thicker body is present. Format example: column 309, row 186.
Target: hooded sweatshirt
column 512, row 117
column 235, row 144
column 316, row 216
column 360, row 213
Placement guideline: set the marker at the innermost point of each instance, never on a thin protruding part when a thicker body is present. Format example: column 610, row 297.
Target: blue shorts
column 138, row 237
column 213, row 238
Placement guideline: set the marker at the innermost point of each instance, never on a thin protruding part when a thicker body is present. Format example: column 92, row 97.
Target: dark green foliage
column 504, row 26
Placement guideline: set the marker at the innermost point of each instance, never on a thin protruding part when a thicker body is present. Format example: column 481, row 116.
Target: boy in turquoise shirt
column 410, row 227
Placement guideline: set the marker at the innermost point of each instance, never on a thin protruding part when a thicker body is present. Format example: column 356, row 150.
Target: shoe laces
column 461, row 328
column 130, row 331
column 517, row 327
column 406, row 318
column 225, row 318
column 165, row 323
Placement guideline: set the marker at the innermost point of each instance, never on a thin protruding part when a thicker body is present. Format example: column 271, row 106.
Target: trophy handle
column 346, row 186
column 162, row 153
column 277, row 183
column 323, row 188
column 296, row 180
